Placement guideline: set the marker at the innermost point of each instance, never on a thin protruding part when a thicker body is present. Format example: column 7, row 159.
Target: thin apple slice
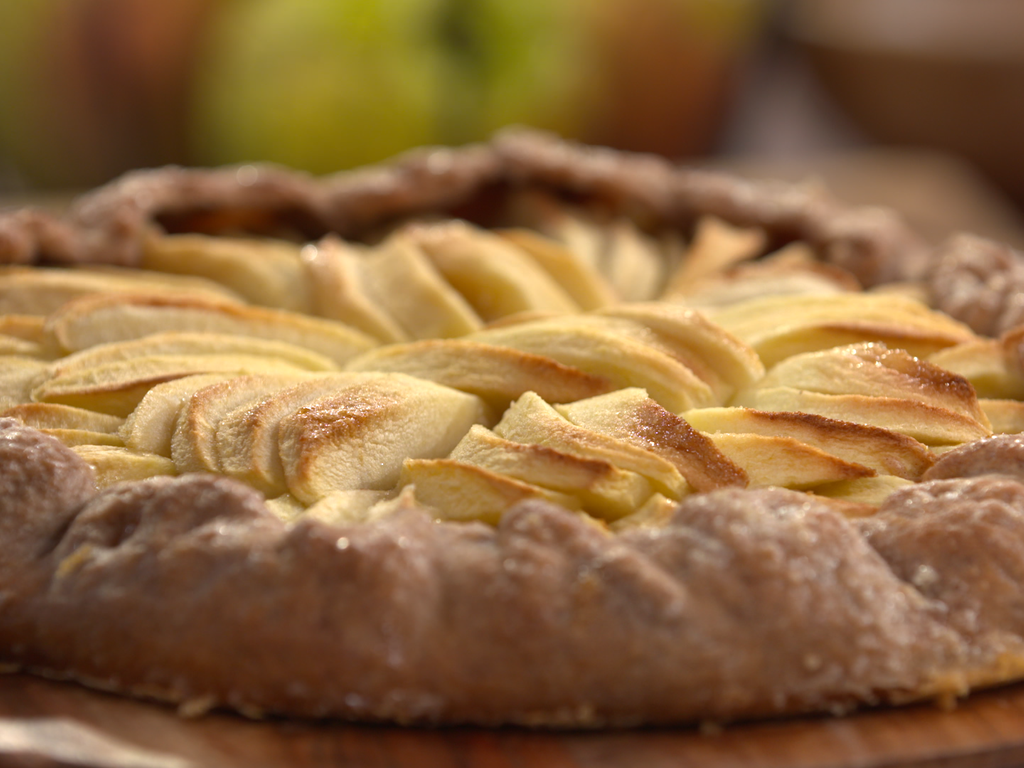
column 579, row 230
column 117, row 388
column 983, row 363
column 655, row 513
column 773, row 460
column 1011, row 344
column 193, row 344
column 262, row 271
column 497, row 374
column 114, row 464
column 56, row 416
column 632, row 262
column 336, row 272
column 602, row 489
column 350, row 507
column 494, row 276
column 18, row 377
column 286, row 507
column 779, row 327
column 358, row 438
column 584, row 284
column 107, row 318
column 13, row 346
column 875, row 370
column 1005, row 416
column 630, row 416
column 716, row 246
column 604, row 351
column 531, row 420
column 870, row 491
column 26, row 335
column 458, row 491
column 150, row 426
column 929, row 424
column 886, row 452
column 72, row 437
column 246, row 437
column 40, row 290
column 194, row 442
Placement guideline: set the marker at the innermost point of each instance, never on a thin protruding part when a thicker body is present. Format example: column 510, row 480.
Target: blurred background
column 913, row 103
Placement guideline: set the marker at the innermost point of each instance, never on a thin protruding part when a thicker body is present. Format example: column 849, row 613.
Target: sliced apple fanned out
column 494, row 276
column 335, row 271
column 610, row 352
column 715, row 247
column 579, row 230
column 150, row 426
column 106, row 318
column 630, row 416
column 712, row 352
column 872, row 384
column 778, row 327
column 932, row 425
column 359, row 437
column 497, row 374
column 459, row 491
column 262, row 271
column 884, row 451
column 602, row 489
column 117, row 388
column 194, row 442
column 40, row 291
column 791, row 271
column 586, row 286
column 531, row 420
column 875, row 370
column 632, row 261
column 246, row 437
column 407, row 286
column 116, row 464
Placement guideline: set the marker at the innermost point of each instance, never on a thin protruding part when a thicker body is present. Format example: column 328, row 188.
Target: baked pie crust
column 523, row 432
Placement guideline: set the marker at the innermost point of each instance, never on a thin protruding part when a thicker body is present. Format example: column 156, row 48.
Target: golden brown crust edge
column 748, row 604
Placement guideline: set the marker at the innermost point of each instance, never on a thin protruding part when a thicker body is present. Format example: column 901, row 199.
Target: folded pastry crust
column 714, row 600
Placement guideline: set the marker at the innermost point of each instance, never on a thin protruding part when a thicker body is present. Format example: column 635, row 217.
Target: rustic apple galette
column 523, row 432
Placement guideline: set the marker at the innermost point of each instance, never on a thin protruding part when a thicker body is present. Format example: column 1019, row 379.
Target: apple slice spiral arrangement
column 554, row 383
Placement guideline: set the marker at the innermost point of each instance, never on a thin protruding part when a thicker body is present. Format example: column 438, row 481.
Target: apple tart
column 523, row 432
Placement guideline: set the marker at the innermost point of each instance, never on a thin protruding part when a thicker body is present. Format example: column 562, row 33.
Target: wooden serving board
column 45, row 724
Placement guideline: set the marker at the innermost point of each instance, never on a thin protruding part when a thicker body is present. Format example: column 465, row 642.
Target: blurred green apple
column 91, row 88
column 323, row 84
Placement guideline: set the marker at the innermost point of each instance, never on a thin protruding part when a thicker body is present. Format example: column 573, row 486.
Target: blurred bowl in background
column 942, row 74
column 92, row 88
